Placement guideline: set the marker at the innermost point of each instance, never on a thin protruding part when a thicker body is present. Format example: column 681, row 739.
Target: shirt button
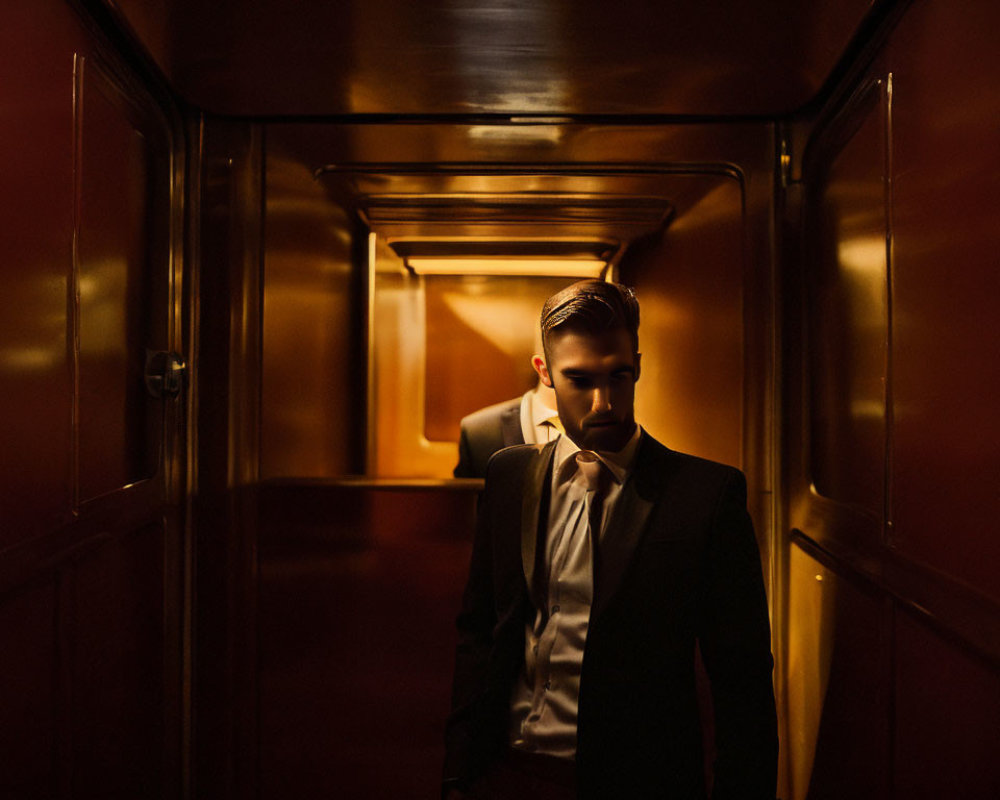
column 535, row 649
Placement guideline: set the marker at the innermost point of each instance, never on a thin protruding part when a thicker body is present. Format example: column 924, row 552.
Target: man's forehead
column 605, row 342
column 582, row 352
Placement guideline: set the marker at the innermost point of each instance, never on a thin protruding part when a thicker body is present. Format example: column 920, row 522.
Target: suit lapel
column 536, row 488
column 641, row 492
column 510, row 425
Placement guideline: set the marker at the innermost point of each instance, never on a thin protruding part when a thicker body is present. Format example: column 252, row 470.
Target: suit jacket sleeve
column 464, row 468
column 468, row 722
column 736, row 647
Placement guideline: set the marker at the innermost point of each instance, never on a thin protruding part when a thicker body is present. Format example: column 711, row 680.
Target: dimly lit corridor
column 260, row 259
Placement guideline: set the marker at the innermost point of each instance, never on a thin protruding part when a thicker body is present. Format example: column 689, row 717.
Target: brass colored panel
column 444, row 347
column 480, row 336
column 312, row 391
column 838, row 684
column 690, row 290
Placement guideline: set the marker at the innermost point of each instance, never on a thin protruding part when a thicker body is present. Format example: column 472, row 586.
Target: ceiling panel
column 510, row 57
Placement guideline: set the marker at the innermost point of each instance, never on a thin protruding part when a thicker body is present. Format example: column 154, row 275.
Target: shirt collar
column 619, row 464
column 540, row 411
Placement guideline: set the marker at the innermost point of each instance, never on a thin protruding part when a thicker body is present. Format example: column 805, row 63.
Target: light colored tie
column 596, row 475
column 591, row 468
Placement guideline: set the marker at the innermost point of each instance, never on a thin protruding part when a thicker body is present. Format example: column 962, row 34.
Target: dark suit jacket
column 483, row 433
column 678, row 563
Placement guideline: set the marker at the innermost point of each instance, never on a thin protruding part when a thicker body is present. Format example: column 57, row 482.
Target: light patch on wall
column 103, row 293
column 501, row 320
column 863, row 255
column 811, row 625
column 29, row 359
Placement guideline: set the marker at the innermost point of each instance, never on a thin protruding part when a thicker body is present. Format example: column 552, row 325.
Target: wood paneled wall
column 892, row 438
column 92, row 475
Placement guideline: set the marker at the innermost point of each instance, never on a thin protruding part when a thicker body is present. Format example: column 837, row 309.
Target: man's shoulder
column 517, row 456
column 490, row 414
column 518, row 466
column 658, row 464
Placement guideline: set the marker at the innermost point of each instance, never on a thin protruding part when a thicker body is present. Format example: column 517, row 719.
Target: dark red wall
column 90, row 526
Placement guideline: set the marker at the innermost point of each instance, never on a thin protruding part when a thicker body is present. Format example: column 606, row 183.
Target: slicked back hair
column 591, row 306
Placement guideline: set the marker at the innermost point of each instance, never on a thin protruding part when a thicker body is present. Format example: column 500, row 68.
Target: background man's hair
column 591, row 306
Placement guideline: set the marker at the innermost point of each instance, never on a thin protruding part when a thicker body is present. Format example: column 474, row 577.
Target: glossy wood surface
column 894, row 465
column 358, row 590
column 527, row 56
column 91, row 541
column 313, row 369
column 37, row 241
column 818, row 308
column 227, row 180
column 946, row 442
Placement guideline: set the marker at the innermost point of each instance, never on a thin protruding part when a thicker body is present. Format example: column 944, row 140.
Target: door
column 92, row 543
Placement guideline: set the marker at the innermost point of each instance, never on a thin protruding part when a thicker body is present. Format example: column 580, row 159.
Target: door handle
column 164, row 373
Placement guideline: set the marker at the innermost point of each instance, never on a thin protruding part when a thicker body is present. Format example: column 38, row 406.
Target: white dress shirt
column 544, row 699
column 539, row 421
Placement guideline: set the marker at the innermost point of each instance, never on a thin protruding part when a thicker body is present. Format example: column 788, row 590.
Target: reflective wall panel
column 91, row 479
column 946, row 374
column 689, row 282
column 313, row 371
column 838, row 672
column 443, row 348
column 36, row 237
column 480, row 335
column 120, row 288
column 894, row 441
column 848, row 307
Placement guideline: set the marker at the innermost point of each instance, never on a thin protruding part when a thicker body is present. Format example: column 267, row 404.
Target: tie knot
column 591, row 468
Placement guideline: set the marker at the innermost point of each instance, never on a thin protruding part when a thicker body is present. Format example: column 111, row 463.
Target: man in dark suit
column 525, row 419
column 599, row 561
column 484, row 432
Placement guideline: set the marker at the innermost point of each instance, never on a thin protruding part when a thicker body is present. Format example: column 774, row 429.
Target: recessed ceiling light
column 539, row 267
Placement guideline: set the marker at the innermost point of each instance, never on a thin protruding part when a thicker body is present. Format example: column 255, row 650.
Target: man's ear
column 638, row 364
column 543, row 371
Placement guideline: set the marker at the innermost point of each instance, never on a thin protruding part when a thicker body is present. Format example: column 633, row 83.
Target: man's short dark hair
column 591, row 306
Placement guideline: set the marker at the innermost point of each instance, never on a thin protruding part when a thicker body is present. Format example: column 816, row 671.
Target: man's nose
column 602, row 399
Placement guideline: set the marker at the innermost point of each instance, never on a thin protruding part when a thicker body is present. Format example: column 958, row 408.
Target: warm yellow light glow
column 864, row 255
column 500, row 320
column 812, row 620
column 516, row 134
column 29, row 359
column 554, row 267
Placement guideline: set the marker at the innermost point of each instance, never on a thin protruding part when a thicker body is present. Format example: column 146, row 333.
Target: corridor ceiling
column 630, row 58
